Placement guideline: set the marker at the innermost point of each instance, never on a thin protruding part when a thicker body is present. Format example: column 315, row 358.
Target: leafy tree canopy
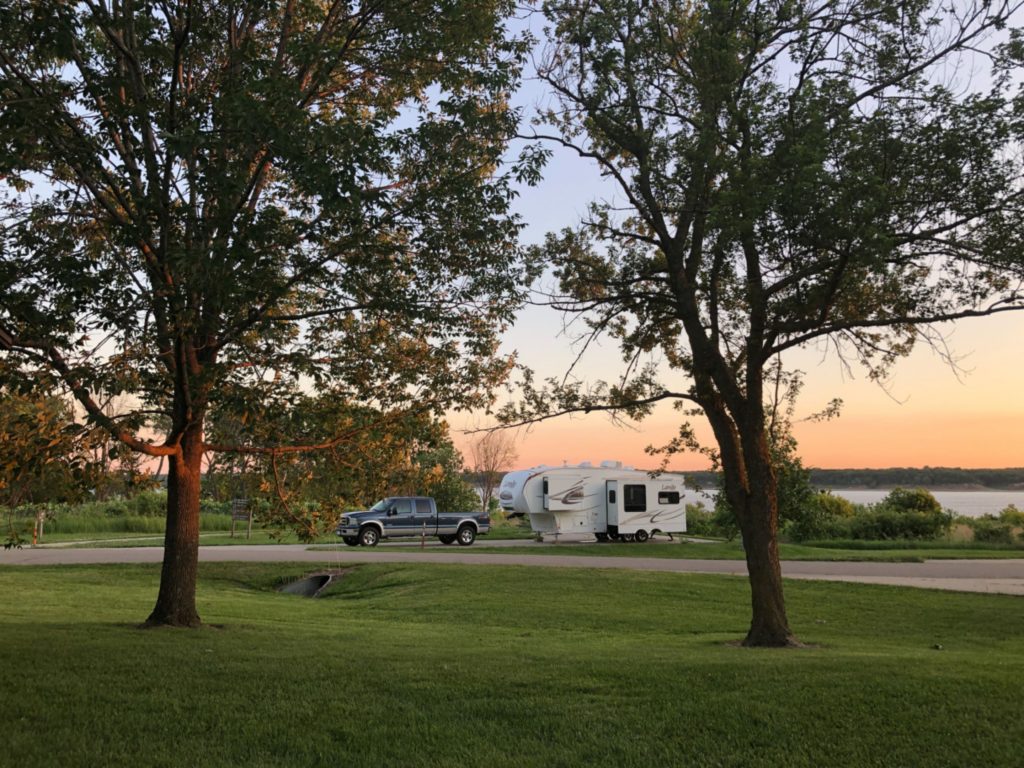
column 211, row 205
column 785, row 172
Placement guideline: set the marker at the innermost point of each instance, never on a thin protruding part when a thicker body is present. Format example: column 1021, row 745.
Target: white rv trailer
column 608, row 501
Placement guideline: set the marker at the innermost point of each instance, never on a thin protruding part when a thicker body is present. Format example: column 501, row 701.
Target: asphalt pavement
column 995, row 576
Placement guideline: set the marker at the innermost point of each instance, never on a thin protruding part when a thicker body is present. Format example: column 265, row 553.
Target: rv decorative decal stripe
column 573, row 495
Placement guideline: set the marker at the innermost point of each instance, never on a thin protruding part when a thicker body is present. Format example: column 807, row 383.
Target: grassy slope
column 465, row 666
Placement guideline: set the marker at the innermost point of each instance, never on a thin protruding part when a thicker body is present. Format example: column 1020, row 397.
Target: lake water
column 969, row 503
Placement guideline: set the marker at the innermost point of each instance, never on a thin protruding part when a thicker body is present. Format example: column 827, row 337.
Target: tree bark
column 756, row 505
column 176, row 601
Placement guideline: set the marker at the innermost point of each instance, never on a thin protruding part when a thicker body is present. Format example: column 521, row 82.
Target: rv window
column 634, row 498
column 544, row 487
column 668, row 497
column 611, row 496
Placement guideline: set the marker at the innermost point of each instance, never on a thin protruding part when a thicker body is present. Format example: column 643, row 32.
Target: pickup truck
column 398, row 516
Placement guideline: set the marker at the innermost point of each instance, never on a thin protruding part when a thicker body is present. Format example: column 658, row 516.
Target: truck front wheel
column 352, row 541
column 369, row 536
column 466, row 535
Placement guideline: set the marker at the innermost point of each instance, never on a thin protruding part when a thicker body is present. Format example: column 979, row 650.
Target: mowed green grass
column 733, row 550
column 424, row 665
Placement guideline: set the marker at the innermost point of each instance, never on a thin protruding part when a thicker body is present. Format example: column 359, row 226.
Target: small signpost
column 37, row 529
column 241, row 510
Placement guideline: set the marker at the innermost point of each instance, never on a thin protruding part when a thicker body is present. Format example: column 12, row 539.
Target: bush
column 699, row 520
column 148, row 504
column 211, row 507
column 1012, row 516
column 911, row 500
column 882, row 522
column 992, row 529
column 824, row 516
column 902, row 514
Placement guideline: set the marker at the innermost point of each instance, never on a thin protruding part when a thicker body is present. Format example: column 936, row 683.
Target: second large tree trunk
column 176, row 602
column 755, row 502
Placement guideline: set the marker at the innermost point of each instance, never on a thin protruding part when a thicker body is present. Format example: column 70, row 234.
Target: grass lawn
column 731, row 550
column 206, row 539
column 423, row 665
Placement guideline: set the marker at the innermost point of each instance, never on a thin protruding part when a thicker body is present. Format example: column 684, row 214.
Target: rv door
column 564, row 492
column 612, row 497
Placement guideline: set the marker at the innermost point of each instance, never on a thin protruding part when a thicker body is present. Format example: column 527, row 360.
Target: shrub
column 699, row 520
column 911, row 500
column 148, row 504
column 823, row 516
column 883, row 522
column 1012, row 515
column 992, row 529
column 212, row 507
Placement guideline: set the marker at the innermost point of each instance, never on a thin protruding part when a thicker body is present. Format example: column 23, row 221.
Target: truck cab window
column 422, row 507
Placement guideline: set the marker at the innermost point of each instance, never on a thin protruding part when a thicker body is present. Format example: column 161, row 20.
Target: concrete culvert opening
column 311, row 585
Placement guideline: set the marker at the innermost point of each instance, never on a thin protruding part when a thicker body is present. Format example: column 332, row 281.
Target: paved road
column 999, row 576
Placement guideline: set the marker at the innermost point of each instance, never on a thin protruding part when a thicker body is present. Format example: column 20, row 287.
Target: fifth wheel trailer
column 608, row 500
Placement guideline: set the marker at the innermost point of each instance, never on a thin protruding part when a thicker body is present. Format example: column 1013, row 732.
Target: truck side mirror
column 392, row 511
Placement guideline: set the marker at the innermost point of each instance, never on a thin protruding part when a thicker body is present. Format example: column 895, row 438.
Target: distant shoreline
column 949, row 479
column 971, row 488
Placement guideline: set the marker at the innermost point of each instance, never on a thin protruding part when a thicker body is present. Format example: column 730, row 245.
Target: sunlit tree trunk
column 176, row 602
column 751, row 490
column 758, row 517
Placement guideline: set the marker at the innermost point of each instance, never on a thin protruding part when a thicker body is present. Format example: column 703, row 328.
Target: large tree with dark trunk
column 216, row 207
column 784, row 173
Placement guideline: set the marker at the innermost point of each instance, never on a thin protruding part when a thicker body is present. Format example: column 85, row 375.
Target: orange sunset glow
column 926, row 415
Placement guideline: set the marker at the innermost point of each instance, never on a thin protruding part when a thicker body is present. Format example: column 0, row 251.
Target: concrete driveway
column 996, row 576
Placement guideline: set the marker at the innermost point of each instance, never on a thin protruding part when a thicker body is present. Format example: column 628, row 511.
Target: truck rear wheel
column 369, row 536
column 446, row 538
column 466, row 535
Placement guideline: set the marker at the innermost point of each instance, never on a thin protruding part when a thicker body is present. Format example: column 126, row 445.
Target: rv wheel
column 629, row 537
column 601, row 536
column 642, row 536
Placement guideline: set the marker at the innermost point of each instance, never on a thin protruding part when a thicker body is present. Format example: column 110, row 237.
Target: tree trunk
column 756, row 507
column 176, row 602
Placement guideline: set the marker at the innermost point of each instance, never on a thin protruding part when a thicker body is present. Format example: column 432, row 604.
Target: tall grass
column 894, row 544
column 144, row 513
column 99, row 524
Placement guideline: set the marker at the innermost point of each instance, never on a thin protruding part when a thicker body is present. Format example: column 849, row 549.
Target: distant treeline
column 912, row 477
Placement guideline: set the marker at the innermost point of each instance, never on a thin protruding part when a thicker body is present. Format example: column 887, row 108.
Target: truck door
column 399, row 520
column 423, row 516
column 613, row 501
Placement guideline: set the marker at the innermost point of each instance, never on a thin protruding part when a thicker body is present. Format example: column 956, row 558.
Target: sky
column 926, row 414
